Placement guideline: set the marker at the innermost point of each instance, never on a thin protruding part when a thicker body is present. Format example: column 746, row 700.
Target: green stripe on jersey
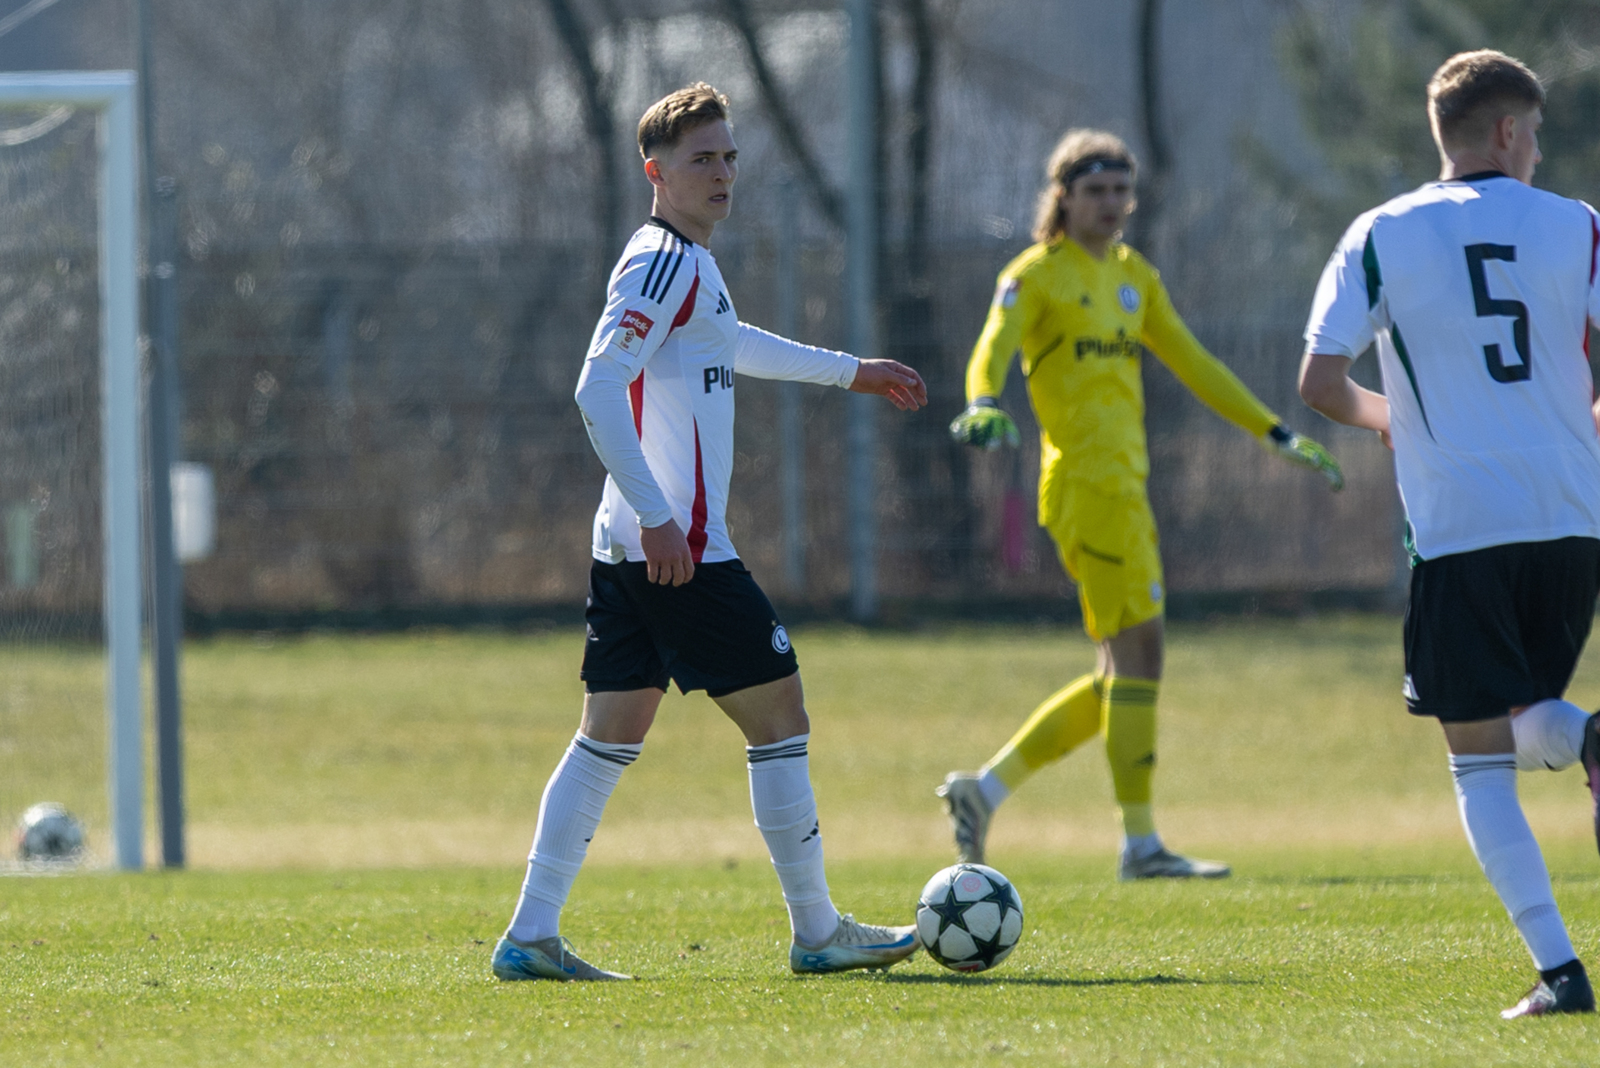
column 1369, row 262
column 1405, row 361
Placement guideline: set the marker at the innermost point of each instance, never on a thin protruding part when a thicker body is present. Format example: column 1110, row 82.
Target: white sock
column 786, row 812
column 1139, row 846
column 993, row 790
column 1549, row 735
column 1486, row 792
column 569, row 812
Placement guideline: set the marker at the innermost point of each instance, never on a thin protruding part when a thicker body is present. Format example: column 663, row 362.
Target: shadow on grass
column 912, row 979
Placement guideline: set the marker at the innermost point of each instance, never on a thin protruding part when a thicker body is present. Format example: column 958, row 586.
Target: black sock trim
column 1573, row 967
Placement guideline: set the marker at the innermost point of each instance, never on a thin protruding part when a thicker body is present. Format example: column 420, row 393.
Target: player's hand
column 890, row 378
column 1305, row 452
column 667, row 560
column 983, row 425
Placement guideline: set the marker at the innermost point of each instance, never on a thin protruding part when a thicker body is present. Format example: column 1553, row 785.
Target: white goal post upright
column 112, row 94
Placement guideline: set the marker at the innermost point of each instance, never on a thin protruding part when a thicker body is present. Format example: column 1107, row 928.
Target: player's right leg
column 626, row 678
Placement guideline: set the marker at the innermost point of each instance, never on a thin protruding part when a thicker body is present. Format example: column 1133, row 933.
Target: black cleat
column 1563, row 989
column 1589, row 756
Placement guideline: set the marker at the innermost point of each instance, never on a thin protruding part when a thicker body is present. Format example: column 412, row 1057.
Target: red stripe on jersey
column 636, row 397
column 697, row 515
column 688, row 304
column 1594, row 250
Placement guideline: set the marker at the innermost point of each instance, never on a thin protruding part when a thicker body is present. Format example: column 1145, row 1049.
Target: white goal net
column 69, row 523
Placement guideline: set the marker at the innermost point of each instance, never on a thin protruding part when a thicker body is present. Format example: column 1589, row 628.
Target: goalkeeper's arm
column 983, row 425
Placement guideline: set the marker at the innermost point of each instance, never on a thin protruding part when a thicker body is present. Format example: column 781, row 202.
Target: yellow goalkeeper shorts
column 1108, row 545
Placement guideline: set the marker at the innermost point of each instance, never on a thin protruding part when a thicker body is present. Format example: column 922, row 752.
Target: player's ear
column 652, row 170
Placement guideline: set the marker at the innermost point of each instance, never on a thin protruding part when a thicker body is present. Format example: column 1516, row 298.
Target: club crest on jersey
column 1005, row 294
column 1128, row 297
column 780, row 639
column 635, row 328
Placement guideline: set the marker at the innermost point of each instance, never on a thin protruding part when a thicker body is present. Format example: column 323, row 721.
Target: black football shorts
column 717, row 632
column 1493, row 629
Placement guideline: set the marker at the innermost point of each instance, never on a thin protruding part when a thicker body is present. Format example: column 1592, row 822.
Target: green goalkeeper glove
column 984, row 426
column 1305, row 452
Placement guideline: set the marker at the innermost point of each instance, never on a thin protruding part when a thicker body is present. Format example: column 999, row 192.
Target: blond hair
column 1474, row 90
column 1077, row 150
column 668, row 119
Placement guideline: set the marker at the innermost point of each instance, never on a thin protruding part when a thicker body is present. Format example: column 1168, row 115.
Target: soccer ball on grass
column 48, row 832
column 969, row 917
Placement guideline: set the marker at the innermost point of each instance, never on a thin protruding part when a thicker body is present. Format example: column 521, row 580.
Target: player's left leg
column 773, row 719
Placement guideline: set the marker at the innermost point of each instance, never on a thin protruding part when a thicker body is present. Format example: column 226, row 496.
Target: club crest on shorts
column 780, row 639
column 1128, row 297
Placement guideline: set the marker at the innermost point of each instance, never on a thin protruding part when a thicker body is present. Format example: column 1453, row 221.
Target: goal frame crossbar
column 113, row 96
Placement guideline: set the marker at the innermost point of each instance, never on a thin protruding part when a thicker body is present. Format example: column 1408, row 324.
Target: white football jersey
column 1479, row 293
column 657, row 393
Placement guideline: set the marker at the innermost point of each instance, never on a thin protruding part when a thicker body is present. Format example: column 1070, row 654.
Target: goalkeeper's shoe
column 1301, row 450
column 983, row 425
column 548, row 958
column 969, row 814
column 854, row 945
column 1563, row 989
column 1163, row 864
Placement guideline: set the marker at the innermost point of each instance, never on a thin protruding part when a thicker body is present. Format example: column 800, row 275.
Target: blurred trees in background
column 397, row 219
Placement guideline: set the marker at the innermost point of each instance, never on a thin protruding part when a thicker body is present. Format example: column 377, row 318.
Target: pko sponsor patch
column 634, row 329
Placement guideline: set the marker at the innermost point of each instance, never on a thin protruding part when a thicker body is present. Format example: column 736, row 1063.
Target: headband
column 1093, row 166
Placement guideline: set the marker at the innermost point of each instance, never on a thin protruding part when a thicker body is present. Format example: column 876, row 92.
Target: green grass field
column 361, row 808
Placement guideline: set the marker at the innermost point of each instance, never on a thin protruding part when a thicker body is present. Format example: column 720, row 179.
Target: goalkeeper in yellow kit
column 1078, row 307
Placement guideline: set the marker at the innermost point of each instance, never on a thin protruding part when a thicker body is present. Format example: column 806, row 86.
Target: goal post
column 112, row 96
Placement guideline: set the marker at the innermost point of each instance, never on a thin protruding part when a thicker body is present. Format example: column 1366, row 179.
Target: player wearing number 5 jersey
column 1479, row 291
column 1079, row 308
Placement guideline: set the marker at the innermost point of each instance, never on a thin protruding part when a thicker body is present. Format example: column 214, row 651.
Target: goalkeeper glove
column 983, row 425
column 1305, row 452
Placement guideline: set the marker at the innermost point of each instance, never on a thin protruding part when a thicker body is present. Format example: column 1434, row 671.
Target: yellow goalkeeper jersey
column 1078, row 324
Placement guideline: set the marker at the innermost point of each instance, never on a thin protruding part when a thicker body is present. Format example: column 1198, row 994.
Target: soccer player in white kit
column 1479, row 290
column 669, row 600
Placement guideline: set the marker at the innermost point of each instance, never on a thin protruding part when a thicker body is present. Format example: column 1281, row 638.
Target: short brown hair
column 1078, row 151
column 668, row 119
column 1473, row 90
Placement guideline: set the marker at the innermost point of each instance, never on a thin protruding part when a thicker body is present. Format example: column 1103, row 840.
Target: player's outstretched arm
column 984, row 426
column 890, row 378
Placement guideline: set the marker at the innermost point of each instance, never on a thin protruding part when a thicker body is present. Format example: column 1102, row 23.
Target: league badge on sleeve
column 634, row 329
column 1005, row 294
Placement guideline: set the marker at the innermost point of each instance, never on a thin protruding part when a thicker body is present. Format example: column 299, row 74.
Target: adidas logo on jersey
column 722, row 303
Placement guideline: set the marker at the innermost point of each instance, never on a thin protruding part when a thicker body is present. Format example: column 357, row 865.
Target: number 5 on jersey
column 1515, row 310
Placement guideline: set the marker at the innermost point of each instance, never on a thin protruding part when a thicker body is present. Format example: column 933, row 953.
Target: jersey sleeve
column 652, row 290
column 651, row 293
column 763, row 355
column 1169, row 338
column 1018, row 301
column 1341, row 322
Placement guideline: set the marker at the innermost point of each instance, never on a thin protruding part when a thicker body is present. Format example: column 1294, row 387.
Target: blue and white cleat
column 854, row 945
column 548, row 958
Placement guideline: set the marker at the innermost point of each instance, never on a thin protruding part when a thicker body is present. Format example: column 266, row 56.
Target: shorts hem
column 1460, row 715
column 627, row 685
column 723, row 691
